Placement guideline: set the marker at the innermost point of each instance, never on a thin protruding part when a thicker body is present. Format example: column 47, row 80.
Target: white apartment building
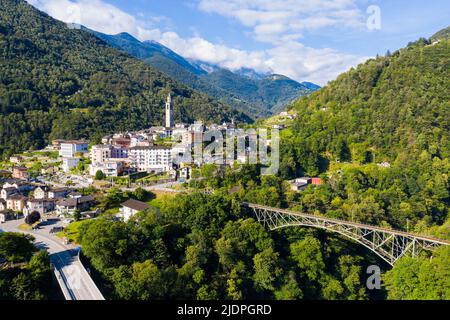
column 151, row 159
column 70, row 148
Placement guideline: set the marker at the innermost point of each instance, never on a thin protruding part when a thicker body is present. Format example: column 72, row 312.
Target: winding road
column 74, row 280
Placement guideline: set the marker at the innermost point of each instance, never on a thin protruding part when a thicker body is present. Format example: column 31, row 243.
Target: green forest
column 203, row 247
column 380, row 136
column 57, row 82
column 197, row 246
column 26, row 274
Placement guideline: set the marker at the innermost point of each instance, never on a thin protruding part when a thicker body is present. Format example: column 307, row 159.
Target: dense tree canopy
column 206, row 247
column 26, row 274
column 420, row 279
column 381, row 134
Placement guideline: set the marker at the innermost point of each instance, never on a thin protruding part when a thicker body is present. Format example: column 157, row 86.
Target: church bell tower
column 169, row 112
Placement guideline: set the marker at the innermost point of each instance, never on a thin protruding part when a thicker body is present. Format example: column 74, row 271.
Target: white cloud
column 99, row 16
column 291, row 58
column 274, row 20
column 287, row 56
column 308, row 64
column 200, row 49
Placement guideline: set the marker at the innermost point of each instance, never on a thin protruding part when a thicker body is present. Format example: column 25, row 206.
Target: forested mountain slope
column 382, row 133
column 57, row 82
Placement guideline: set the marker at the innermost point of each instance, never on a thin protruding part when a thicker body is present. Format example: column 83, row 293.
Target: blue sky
column 308, row 40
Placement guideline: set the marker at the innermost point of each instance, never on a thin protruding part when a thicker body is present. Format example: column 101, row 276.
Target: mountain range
column 245, row 90
column 61, row 82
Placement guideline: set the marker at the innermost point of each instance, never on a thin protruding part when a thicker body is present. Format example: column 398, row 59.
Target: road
column 74, row 280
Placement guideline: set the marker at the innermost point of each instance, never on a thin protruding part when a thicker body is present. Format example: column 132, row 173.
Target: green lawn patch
column 72, row 231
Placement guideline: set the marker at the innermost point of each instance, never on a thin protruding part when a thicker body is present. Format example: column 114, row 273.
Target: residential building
column 306, row 180
column 180, row 125
column 7, row 192
column 299, row 184
column 131, row 207
column 69, row 206
column 188, row 138
column 111, row 168
column 197, row 127
column 58, row 193
column 141, row 140
column 21, row 186
column 56, row 144
column 177, row 133
column 41, row 192
column 16, row 202
column 123, row 143
column 66, row 206
column 70, row 148
column 103, row 153
column 42, row 206
column 75, row 195
column 20, row 173
column 70, row 163
column 106, row 139
column 154, row 159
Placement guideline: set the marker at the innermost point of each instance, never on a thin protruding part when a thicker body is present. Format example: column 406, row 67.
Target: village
column 47, row 182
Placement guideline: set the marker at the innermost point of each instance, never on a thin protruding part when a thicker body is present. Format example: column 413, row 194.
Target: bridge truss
column 390, row 245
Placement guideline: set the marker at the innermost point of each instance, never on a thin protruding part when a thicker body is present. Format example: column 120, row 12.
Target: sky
column 307, row 40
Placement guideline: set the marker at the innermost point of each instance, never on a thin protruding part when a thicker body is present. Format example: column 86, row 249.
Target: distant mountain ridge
column 246, row 90
column 61, row 82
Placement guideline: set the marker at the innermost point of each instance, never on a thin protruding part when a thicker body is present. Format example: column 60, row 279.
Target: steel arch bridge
column 390, row 245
